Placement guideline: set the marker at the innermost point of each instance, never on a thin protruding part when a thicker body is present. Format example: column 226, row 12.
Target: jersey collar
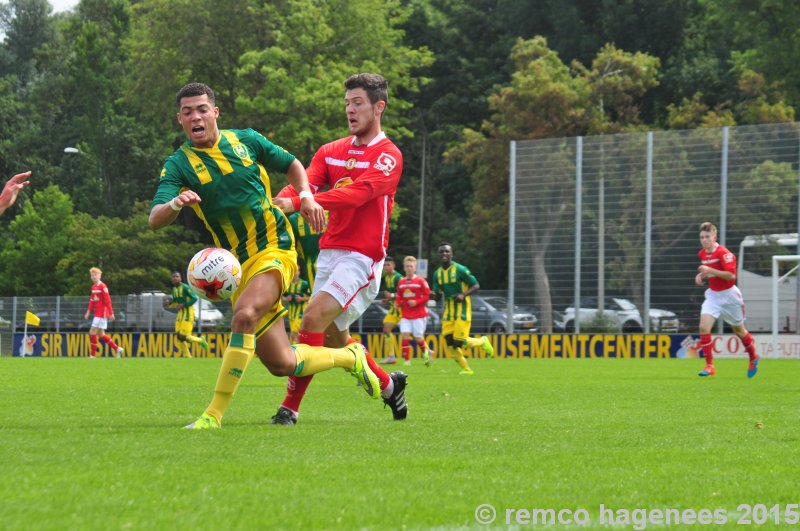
column 380, row 136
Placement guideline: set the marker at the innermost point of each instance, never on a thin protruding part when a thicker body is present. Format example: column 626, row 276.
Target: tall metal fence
column 616, row 217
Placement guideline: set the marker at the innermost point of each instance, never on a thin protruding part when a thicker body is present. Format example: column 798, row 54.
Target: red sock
column 295, row 391
column 382, row 375
column 93, row 341
column 422, row 345
column 406, row 349
column 706, row 348
column 108, row 341
column 749, row 345
column 313, row 339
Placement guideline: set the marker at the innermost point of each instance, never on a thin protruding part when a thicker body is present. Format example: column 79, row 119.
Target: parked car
column 486, row 318
column 558, row 322
column 623, row 315
column 524, row 317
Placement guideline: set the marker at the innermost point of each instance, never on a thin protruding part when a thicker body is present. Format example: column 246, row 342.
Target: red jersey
column 361, row 182
column 100, row 301
column 723, row 260
column 413, row 289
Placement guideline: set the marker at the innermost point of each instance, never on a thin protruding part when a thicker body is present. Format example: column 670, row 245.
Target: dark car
column 486, row 318
column 524, row 317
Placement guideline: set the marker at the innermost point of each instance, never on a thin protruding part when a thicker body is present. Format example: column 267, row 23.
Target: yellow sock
column 472, row 342
column 194, row 339
column 183, row 347
column 458, row 355
column 311, row 360
column 241, row 349
column 388, row 344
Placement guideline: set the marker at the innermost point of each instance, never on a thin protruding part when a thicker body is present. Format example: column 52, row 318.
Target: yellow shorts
column 184, row 328
column 285, row 262
column 459, row 329
column 184, row 321
column 393, row 316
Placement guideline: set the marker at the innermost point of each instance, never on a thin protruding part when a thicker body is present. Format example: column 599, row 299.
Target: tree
column 133, row 257
column 37, row 240
column 291, row 88
column 545, row 98
column 765, row 37
column 27, row 26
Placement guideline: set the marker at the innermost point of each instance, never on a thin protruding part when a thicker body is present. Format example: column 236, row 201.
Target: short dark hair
column 388, row 259
column 443, row 244
column 375, row 84
column 195, row 89
column 176, row 273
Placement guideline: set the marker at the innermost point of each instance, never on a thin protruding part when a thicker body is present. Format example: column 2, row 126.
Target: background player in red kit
column 359, row 174
column 723, row 298
column 100, row 303
column 412, row 297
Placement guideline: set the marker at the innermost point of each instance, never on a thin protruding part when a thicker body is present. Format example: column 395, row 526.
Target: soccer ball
column 214, row 274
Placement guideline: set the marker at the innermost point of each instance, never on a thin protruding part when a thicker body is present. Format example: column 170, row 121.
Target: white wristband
column 305, row 194
column 173, row 206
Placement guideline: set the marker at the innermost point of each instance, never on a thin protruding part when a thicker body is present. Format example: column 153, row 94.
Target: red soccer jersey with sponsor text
column 100, row 301
column 361, row 182
column 722, row 259
column 413, row 289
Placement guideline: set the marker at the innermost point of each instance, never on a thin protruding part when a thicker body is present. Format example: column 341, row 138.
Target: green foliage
column 174, row 42
column 103, row 78
column 600, row 323
column 766, row 38
column 35, row 243
column 133, row 257
column 291, row 88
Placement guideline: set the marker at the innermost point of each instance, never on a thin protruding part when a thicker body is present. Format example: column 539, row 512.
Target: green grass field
column 97, row 444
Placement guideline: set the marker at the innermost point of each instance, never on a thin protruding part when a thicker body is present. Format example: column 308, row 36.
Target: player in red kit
column 723, row 298
column 100, row 304
column 355, row 179
column 412, row 296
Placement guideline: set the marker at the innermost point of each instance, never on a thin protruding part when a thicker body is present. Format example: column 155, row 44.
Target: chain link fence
column 614, row 218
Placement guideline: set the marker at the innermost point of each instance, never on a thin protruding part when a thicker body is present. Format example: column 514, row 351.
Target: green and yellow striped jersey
column 390, row 281
column 183, row 294
column 232, row 181
column 450, row 282
column 297, row 288
column 307, row 244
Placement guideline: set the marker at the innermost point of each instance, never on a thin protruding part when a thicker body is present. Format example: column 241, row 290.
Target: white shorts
column 728, row 303
column 349, row 277
column 415, row 327
column 100, row 322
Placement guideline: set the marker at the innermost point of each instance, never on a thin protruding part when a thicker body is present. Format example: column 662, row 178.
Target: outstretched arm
column 12, row 188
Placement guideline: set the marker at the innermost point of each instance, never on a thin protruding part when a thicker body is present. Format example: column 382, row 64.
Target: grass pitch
column 97, row 444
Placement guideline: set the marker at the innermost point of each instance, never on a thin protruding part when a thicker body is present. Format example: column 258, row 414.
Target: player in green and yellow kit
column 307, row 243
column 222, row 175
column 296, row 296
column 390, row 279
column 454, row 283
column 182, row 299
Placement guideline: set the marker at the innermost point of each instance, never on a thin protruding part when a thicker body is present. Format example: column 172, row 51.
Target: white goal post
column 776, row 259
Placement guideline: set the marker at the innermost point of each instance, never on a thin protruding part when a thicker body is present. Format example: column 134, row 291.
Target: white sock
column 387, row 393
